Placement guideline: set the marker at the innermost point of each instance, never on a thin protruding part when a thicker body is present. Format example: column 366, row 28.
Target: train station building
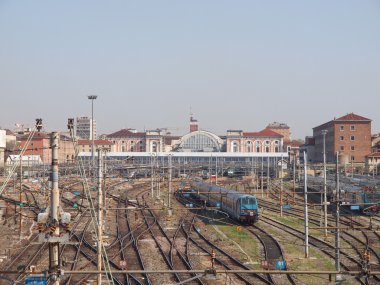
column 197, row 145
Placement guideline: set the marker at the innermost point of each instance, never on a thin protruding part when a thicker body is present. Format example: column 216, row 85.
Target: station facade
column 236, row 141
column 197, row 145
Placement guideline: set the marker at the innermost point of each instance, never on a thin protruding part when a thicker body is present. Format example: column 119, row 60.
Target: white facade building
column 84, row 128
column 2, row 146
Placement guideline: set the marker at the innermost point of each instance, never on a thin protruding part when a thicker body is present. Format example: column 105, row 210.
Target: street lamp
column 92, row 98
column 324, row 132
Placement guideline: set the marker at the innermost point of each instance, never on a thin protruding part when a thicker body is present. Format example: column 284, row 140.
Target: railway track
column 271, row 247
column 358, row 245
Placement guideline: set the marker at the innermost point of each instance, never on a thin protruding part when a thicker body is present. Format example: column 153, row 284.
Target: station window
column 341, row 147
column 352, row 147
column 341, row 128
column 341, row 138
column 352, row 128
column 235, row 147
column 352, row 158
column 258, row 146
column 249, row 146
column 352, row 138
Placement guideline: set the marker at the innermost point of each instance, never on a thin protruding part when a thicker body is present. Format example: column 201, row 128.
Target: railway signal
column 280, row 264
column 35, row 279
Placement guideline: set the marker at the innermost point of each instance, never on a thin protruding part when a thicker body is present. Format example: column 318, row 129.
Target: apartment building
column 350, row 135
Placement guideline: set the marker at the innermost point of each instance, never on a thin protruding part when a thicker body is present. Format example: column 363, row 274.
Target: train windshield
column 248, row 203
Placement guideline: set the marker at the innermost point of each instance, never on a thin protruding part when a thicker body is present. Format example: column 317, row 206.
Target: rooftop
column 278, row 125
column 125, row 133
column 374, row 154
column 263, row 133
column 352, row 117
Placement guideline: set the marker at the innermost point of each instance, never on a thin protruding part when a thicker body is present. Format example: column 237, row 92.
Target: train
column 241, row 207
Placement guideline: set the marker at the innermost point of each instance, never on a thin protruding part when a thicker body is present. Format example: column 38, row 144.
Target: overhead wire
column 94, row 218
column 11, row 172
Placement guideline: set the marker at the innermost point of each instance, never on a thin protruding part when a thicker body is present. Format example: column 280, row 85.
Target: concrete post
column 54, row 209
column 100, row 215
column 306, row 218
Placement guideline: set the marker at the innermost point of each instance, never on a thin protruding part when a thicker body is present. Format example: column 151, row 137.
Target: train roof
column 218, row 189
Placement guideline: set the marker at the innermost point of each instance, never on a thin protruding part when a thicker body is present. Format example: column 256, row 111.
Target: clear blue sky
column 238, row 64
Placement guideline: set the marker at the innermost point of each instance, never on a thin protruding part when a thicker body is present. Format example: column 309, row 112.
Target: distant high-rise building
column 84, row 128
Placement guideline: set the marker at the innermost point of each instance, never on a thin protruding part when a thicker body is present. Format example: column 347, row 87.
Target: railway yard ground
column 139, row 234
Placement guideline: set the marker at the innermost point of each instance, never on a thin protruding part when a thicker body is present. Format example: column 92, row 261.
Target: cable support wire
column 94, row 218
column 11, row 173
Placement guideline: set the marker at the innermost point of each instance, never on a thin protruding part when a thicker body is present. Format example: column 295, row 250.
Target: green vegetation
column 245, row 246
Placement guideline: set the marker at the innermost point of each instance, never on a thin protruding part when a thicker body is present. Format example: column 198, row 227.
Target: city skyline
column 237, row 66
column 178, row 131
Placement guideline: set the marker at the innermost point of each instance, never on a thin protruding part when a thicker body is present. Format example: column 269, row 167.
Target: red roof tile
column 263, row 133
column 352, row 117
column 125, row 133
column 374, row 154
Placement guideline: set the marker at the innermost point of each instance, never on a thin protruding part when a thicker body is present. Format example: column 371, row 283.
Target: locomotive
column 241, row 207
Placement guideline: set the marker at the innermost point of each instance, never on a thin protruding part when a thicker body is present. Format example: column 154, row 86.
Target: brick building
column 40, row 145
column 350, row 135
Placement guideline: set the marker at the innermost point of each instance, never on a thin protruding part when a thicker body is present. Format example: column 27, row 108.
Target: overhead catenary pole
column 209, row 168
column 337, row 236
column 257, row 174
column 151, row 174
column 262, row 177
column 281, row 187
column 170, row 185
column 294, row 177
column 268, row 178
column 54, row 210
column 158, row 185
column 216, row 170
column 100, row 215
column 20, row 197
column 306, row 218
column 324, row 132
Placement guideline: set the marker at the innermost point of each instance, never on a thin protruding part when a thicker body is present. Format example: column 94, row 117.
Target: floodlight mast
column 92, row 98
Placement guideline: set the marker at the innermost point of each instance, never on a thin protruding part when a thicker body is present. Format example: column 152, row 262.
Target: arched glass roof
column 200, row 141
